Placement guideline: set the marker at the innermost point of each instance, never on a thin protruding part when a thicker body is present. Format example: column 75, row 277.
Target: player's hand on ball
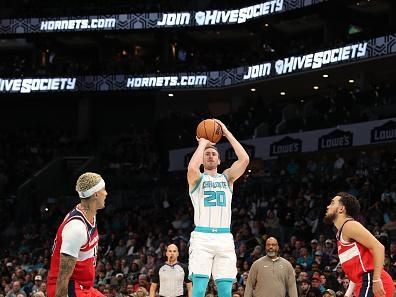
column 204, row 140
column 223, row 127
column 209, row 129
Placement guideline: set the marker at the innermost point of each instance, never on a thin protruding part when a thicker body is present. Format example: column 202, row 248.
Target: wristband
column 377, row 280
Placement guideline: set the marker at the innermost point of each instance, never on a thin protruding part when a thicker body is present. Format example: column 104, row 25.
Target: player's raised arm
column 239, row 166
column 193, row 172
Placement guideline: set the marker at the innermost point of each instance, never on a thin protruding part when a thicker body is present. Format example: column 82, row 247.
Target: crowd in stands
column 259, row 117
column 190, row 50
column 171, row 51
column 165, row 53
column 132, row 159
column 24, row 152
column 140, row 154
column 285, row 198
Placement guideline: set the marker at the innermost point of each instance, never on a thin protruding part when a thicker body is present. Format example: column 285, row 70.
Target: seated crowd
column 286, row 198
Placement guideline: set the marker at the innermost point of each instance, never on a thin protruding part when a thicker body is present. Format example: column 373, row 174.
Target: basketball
column 210, row 130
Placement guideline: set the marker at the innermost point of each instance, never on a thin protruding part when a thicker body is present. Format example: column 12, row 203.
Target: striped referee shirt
column 171, row 279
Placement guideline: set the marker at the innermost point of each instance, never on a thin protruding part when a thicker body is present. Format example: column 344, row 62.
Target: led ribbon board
column 139, row 21
column 29, row 85
column 366, row 50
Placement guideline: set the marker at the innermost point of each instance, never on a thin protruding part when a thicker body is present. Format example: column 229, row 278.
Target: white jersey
column 211, row 198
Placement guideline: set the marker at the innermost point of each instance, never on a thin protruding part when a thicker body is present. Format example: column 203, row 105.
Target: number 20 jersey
column 211, row 198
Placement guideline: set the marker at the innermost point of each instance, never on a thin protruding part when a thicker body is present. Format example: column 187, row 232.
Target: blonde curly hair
column 87, row 180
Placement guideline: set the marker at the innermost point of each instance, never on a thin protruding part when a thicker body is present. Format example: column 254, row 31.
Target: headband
column 93, row 190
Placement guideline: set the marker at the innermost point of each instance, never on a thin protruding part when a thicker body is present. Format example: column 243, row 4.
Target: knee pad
column 224, row 287
column 199, row 282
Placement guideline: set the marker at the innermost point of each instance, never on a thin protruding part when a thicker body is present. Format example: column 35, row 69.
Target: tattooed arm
column 66, row 267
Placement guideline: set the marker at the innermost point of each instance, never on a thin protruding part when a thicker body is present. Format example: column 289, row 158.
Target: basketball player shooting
column 212, row 250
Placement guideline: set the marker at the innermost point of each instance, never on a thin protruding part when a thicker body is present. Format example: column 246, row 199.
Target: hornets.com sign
column 374, row 48
column 29, row 85
column 167, row 81
column 78, row 24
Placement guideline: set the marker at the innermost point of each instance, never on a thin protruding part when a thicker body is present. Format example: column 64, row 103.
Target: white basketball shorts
column 212, row 254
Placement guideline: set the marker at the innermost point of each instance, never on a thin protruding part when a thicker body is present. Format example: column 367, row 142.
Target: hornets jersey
column 211, row 198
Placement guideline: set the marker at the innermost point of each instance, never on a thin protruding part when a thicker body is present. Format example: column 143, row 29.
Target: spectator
column 329, row 249
column 328, row 293
column 43, row 288
column 304, row 287
column 305, row 259
column 38, row 279
column 142, row 282
column 339, row 163
column 318, row 260
column 141, row 292
column 331, row 281
column 39, row 294
column 121, row 249
column 271, row 275
column 316, row 284
column 16, row 290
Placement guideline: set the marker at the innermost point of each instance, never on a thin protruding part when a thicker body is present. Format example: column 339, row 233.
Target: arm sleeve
column 350, row 289
column 155, row 277
column 185, row 268
column 74, row 236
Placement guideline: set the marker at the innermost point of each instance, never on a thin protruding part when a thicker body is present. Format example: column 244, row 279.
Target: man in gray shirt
column 271, row 275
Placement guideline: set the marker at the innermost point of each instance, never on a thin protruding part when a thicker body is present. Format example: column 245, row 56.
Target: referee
column 171, row 276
